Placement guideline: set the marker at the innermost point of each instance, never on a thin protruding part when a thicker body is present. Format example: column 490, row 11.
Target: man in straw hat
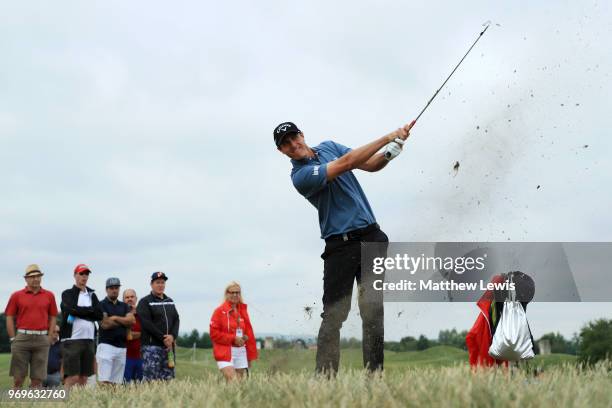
column 30, row 322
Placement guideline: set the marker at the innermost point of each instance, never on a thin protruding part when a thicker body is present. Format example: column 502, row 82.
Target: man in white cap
column 30, row 322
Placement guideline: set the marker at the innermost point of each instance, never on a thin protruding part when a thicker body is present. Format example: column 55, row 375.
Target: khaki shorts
column 29, row 350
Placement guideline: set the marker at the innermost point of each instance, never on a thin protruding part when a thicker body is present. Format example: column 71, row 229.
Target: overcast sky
column 137, row 136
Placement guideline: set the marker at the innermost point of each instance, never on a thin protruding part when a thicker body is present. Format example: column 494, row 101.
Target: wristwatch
column 11, row 339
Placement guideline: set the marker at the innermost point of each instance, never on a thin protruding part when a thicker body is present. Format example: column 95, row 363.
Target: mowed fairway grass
column 438, row 376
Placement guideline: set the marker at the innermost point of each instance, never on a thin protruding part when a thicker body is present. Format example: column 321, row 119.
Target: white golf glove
column 393, row 149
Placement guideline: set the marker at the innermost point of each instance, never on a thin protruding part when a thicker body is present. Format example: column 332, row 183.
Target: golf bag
column 512, row 338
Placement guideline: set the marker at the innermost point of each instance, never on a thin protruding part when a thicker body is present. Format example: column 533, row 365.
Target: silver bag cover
column 512, row 339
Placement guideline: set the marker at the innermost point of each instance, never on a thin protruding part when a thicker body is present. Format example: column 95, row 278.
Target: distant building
column 268, row 343
column 544, row 346
column 299, row 344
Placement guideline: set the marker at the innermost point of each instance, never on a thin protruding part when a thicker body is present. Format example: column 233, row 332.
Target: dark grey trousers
column 342, row 266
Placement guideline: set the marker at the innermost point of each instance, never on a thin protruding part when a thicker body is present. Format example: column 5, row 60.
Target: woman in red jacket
column 232, row 335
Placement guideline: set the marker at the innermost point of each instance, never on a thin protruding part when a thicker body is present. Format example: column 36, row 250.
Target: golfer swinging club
column 324, row 176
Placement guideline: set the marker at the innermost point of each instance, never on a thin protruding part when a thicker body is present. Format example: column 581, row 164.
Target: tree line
column 592, row 344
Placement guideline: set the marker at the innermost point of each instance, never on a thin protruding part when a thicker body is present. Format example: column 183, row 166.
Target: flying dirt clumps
column 456, row 168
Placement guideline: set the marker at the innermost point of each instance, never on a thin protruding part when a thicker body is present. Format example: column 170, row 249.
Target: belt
column 39, row 332
column 354, row 234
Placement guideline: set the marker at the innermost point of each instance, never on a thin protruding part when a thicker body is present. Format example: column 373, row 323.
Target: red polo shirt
column 32, row 309
column 133, row 346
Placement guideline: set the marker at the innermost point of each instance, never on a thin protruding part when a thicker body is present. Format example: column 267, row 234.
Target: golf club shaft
column 452, row 72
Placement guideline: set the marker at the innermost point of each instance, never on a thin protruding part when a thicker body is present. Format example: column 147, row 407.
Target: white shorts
column 111, row 363
column 239, row 359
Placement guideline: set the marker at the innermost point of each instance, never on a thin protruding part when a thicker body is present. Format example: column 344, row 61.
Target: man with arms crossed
column 133, row 361
column 80, row 309
column 117, row 317
column 323, row 175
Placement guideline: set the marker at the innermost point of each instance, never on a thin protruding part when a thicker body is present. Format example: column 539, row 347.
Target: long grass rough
column 459, row 386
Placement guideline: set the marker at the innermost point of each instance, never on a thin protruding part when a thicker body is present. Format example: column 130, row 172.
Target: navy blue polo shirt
column 54, row 361
column 341, row 203
column 117, row 336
